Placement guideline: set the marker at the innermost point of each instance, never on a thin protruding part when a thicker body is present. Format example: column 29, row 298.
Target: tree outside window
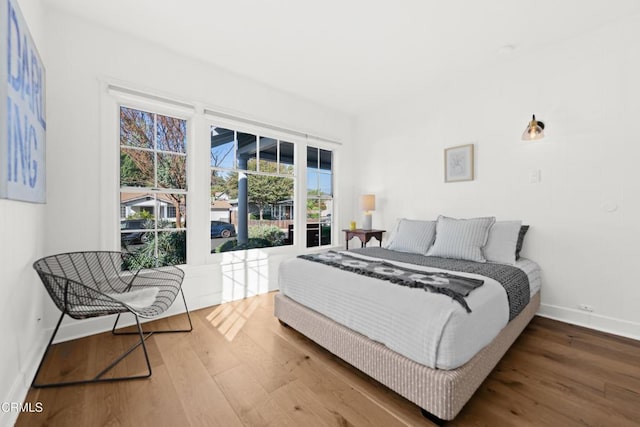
column 153, row 187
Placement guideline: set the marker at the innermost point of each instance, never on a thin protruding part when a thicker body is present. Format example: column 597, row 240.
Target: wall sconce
column 367, row 204
column 534, row 130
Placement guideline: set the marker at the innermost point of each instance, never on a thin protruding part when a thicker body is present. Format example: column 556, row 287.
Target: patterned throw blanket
column 514, row 281
column 456, row 287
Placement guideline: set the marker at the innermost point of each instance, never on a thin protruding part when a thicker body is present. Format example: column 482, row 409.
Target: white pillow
column 413, row 236
column 461, row 238
column 502, row 241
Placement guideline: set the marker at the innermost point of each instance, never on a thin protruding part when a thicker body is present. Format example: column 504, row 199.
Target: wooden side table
column 363, row 235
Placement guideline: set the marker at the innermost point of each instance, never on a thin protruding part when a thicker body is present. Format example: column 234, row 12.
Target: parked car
column 134, row 237
column 222, row 229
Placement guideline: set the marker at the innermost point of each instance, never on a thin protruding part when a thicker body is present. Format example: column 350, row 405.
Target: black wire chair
column 93, row 284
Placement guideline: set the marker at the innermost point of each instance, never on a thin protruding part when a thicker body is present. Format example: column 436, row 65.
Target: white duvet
column 431, row 329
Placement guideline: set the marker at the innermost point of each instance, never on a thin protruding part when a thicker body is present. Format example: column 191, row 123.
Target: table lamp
column 367, row 204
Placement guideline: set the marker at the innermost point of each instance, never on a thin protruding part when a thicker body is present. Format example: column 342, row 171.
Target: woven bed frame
column 439, row 392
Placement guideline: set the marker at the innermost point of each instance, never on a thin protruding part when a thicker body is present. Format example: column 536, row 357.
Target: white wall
column 79, row 58
column 586, row 90
column 83, row 54
column 22, row 237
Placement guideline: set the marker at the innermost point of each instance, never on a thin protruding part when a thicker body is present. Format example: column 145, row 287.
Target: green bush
column 261, row 236
column 232, row 245
column 141, row 215
column 172, row 250
column 266, row 216
column 271, row 233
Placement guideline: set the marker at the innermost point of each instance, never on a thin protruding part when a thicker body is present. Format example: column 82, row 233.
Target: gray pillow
column 413, row 236
column 502, row 241
column 461, row 238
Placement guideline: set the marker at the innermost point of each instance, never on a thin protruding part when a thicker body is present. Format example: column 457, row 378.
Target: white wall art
column 458, row 163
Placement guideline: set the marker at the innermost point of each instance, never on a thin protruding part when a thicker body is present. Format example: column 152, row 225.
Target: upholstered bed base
column 440, row 392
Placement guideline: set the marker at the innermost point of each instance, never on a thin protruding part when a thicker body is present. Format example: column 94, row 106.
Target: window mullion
column 153, row 190
column 257, row 153
column 156, row 209
column 235, row 150
column 155, row 151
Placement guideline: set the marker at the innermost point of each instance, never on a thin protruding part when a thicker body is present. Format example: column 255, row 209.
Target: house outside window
column 153, row 187
column 252, row 190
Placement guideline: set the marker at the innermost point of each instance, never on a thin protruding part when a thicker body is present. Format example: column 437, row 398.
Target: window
column 319, row 196
column 252, row 191
column 153, row 188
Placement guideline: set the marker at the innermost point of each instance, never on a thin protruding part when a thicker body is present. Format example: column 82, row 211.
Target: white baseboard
column 22, row 382
column 591, row 320
column 73, row 329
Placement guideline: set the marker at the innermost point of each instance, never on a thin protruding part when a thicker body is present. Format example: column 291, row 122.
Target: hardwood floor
column 240, row 367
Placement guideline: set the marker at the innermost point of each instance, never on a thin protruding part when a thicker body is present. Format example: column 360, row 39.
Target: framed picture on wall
column 22, row 109
column 458, row 163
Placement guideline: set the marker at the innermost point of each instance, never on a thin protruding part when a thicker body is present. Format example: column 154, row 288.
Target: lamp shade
column 534, row 130
column 368, row 202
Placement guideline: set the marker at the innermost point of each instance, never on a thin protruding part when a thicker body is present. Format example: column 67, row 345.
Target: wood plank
column 304, row 407
column 58, row 408
column 626, row 401
column 592, row 367
column 538, row 397
column 137, row 402
column 202, row 400
column 250, row 401
column 211, row 347
column 241, row 367
column 265, row 369
column 292, row 355
column 338, row 395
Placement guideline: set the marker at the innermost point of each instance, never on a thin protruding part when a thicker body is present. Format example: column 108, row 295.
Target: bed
column 426, row 346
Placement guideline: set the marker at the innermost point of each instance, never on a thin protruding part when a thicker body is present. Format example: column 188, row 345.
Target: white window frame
column 332, row 198
column 260, row 134
column 111, row 101
column 300, row 181
column 199, row 119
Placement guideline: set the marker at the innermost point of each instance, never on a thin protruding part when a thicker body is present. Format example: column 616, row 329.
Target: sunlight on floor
column 230, row 317
column 244, row 274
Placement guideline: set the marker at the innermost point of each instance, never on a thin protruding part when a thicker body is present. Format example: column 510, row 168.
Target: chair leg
column 46, row 351
column 165, row 331
column 97, row 378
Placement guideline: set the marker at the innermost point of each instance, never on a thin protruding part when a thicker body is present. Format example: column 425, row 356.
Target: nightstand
column 363, row 235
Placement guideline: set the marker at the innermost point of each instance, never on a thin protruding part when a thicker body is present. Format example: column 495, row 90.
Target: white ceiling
column 350, row 54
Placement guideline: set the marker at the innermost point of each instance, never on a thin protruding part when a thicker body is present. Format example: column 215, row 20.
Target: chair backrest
column 73, row 278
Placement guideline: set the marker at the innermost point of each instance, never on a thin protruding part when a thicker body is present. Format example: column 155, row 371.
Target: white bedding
column 431, row 329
